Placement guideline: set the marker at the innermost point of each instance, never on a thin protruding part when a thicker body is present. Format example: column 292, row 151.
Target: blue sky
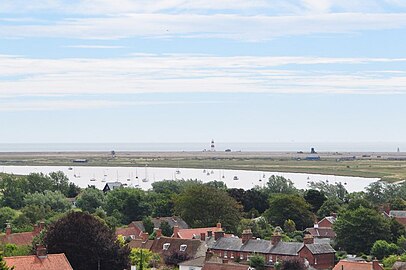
column 188, row 71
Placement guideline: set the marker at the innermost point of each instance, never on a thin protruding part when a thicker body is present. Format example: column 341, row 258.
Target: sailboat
column 235, row 178
column 178, row 170
column 93, row 179
column 129, row 178
column 146, row 175
column 136, row 173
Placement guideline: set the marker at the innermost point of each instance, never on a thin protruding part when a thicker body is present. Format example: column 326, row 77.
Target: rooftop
column 32, row 262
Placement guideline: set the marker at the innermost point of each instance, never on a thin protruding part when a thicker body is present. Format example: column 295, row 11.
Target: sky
column 138, row 71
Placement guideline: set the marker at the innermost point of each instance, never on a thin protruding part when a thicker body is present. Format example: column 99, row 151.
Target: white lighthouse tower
column 212, row 147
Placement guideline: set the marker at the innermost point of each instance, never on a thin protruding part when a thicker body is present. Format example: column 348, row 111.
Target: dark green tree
column 257, row 262
column 315, row 198
column 331, row 205
column 279, row 184
column 87, row 243
column 293, row 264
column 284, row 206
column 90, row 199
column 204, row 206
column 166, row 228
column 357, row 230
column 148, row 225
column 382, row 249
column 13, row 190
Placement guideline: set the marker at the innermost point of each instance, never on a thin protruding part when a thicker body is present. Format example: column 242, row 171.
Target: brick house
column 323, row 229
column 319, row 255
column 40, row 261
column 23, row 238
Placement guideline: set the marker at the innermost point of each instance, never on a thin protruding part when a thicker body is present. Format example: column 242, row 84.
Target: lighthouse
column 212, row 147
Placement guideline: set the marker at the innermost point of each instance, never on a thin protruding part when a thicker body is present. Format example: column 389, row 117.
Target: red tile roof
column 224, row 266
column 127, row 231
column 356, row 265
column 20, row 239
column 322, row 232
column 195, row 233
column 51, row 262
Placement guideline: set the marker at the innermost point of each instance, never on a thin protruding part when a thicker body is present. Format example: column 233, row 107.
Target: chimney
column 175, row 231
column 209, row 233
column 375, row 265
column 36, row 229
column 308, row 239
column 158, row 233
column 218, row 225
column 334, row 215
column 218, row 234
column 144, row 237
column 246, row 235
column 203, row 236
column 8, row 228
column 41, row 251
column 276, row 238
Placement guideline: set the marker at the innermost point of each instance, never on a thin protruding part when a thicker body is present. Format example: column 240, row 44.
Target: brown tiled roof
column 195, row 248
column 355, row 265
column 172, row 221
column 224, row 266
column 139, row 243
column 51, row 262
column 127, row 231
column 322, row 232
column 20, row 239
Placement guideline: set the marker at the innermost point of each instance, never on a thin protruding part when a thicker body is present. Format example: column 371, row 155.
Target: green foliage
column 13, row 191
column 7, row 215
column 148, row 224
column 90, row 199
column 3, row 265
column 55, row 200
column 331, row 205
column 315, row 198
column 144, row 258
column 397, row 230
column 127, row 204
column 279, row 184
column 389, row 261
column 293, row 264
column 336, row 190
column 252, row 200
column 175, row 258
column 166, row 228
column 260, row 228
column 258, row 262
column 284, row 206
column 60, row 182
column 33, row 213
column 14, row 250
column 217, row 184
column 86, row 242
column 357, row 230
column 382, row 249
column 289, row 226
column 204, row 206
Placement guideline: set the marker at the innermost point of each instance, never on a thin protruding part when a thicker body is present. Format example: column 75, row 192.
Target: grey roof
column 257, row 245
column 227, row 243
column 321, row 248
column 113, row 185
column 286, row 248
column 198, row 262
column 331, row 219
column 399, row 266
column 172, row 221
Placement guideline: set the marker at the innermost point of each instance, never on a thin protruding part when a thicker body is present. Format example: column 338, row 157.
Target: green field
column 387, row 170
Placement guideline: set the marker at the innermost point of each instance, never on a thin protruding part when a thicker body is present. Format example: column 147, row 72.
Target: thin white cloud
column 197, row 74
column 94, row 46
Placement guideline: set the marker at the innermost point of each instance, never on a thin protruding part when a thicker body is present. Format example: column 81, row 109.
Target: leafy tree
column 204, row 206
column 90, row 199
column 397, row 204
column 166, row 228
column 279, row 184
column 358, row 202
column 397, row 230
column 161, row 204
column 13, row 190
column 255, row 199
column 257, row 262
column 39, row 182
column 14, row 250
column 60, row 182
column 331, row 205
column 3, row 265
column 284, row 206
column 336, row 190
column 357, row 230
column 55, row 200
column 315, row 198
column 7, row 215
column 217, row 184
column 293, row 264
column 289, row 226
column 148, row 224
column 127, row 204
column 382, row 249
column 73, row 190
column 259, row 227
column 34, row 213
column 143, row 258
column 175, row 258
column 87, row 243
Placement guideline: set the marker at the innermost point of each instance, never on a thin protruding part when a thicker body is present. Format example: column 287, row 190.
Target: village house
column 323, row 229
column 136, row 228
column 40, row 261
column 358, row 265
column 20, row 239
column 111, row 186
column 398, row 215
column 196, row 233
column 318, row 255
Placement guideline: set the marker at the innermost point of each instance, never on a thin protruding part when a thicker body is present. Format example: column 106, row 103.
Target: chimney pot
column 276, row 238
column 209, row 233
column 308, row 239
column 8, row 229
column 158, row 233
column 203, row 236
column 246, row 236
column 175, row 231
column 219, row 225
column 41, row 251
column 144, row 237
column 218, row 235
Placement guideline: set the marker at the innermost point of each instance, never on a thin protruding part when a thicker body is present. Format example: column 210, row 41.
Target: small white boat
column 212, row 172
column 235, row 178
column 208, row 173
column 145, row 180
column 204, row 171
column 70, row 168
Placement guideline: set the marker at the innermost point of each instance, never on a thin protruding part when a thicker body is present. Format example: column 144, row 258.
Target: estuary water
column 143, row 177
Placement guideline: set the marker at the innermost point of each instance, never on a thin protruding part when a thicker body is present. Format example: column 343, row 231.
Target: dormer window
column 132, row 236
column 166, row 246
column 183, row 248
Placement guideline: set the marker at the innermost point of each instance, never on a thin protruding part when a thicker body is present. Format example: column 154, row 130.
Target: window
column 183, row 247
column 166, row 246
column 132, row 236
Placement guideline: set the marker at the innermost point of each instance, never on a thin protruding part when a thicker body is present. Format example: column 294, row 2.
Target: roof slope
column 354, row 265
column 20, row 239
column 194, row 248
column 51, row 262
column 321, row 248
column 195, row 233
column 172, row 221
